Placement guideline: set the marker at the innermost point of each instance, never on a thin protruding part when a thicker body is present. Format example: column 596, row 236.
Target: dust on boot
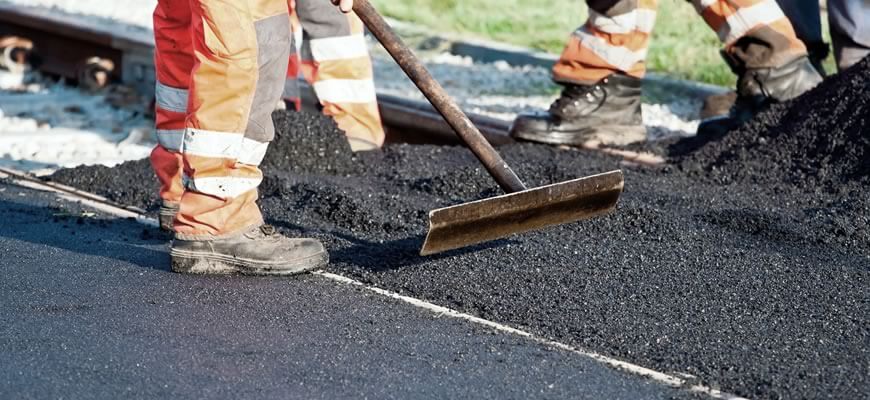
column 607, row 112
column 259, row 250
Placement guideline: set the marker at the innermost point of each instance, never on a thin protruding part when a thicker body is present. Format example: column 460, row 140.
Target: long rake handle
column 491, row 160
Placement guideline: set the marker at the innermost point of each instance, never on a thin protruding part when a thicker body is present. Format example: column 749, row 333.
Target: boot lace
column 264, row 232
column 268, row 230
column 573, row 96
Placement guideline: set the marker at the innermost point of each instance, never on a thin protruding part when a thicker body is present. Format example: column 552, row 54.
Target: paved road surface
column 88, row 309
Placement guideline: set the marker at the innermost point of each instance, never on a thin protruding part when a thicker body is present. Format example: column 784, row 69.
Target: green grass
column 682, row 45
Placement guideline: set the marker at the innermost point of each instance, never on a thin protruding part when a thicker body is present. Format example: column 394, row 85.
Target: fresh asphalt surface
column 90, row 310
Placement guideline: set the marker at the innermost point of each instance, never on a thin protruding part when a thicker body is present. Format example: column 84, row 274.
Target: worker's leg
column 763, row 50
column 292, row 93
column 173, row 60
column 335, row 59
column 241, row 50
column 850, row 30
column 614, row 39
column 761, row 47
column 601, row 69
column 805, row 17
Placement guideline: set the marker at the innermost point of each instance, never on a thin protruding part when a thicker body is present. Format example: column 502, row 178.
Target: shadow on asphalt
column 378, row 256
column 118, row 239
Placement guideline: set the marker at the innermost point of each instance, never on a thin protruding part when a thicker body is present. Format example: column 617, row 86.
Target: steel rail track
column 69, row 47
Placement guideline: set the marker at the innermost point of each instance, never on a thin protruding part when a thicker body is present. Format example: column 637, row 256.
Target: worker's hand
column 344, row 5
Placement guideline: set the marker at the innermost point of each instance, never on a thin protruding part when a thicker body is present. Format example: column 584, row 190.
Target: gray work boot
column 758, row 88
column 259, row 250
column 607, row 112
column 166, row 215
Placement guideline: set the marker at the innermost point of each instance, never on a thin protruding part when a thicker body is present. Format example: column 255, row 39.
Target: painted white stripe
column 221, row 186
column 651, row 374
column 171, row 139
column 346, row 90
column 656, row 376
column 200, row 142
column 170, row 98
column 640, row 19
column 339, row 48
column 746, row 18
column 618, row 56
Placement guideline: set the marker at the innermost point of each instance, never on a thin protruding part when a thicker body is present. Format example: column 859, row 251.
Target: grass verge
column 682, row 45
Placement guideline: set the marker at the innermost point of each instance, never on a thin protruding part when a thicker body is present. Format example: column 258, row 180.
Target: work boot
column 759, row 88
column 719, row 105
column 166, row 215
column 259, row 250
column 607, row 112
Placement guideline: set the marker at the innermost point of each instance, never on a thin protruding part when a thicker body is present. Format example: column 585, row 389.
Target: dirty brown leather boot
column 607, row 112
column 259, row 250
column 166, row 216
column 758, row 88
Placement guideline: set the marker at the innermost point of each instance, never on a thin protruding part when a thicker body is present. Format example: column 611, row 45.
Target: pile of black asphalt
column 744, row 263
column 90, row 310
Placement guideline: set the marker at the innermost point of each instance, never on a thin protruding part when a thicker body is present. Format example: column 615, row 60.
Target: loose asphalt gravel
column 745, row 263
column 90, row 310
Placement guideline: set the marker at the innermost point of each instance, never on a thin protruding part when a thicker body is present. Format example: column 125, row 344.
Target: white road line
column 659, row 377
column 101, row 206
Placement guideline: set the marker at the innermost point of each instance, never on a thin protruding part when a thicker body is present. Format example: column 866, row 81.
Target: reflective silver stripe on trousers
column 171, row 139
column 200, row 142
column 221, row 186
column 170, row 98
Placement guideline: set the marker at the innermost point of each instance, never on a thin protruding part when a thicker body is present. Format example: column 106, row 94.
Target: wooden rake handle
column 433, row 91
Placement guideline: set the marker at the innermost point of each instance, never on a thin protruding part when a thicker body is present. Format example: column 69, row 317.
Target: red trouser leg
column 173, row 60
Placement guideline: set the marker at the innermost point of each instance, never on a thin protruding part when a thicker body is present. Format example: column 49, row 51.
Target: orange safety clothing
column 615, row 38
column 333, row 57
column 173, row 58
column 220, row 68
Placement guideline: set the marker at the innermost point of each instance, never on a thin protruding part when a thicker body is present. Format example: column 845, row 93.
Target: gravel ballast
column 724, row 266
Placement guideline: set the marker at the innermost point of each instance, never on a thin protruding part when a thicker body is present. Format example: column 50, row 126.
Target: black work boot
column 719, row 105
column 259, row 250
column 607, row 112
column 760, row 87
column 166, row 215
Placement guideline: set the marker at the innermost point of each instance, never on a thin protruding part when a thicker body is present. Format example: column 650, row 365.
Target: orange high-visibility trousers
column 615, row 38
column 220, row 70
column 333, row 57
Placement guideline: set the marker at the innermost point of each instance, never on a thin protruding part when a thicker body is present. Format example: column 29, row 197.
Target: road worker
column 333, row 57
column 221, row 67
column 603, row 63
column 849, row 23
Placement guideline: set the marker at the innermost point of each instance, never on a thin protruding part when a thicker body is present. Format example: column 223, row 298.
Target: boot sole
column 191, row 262
column 614, row 135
